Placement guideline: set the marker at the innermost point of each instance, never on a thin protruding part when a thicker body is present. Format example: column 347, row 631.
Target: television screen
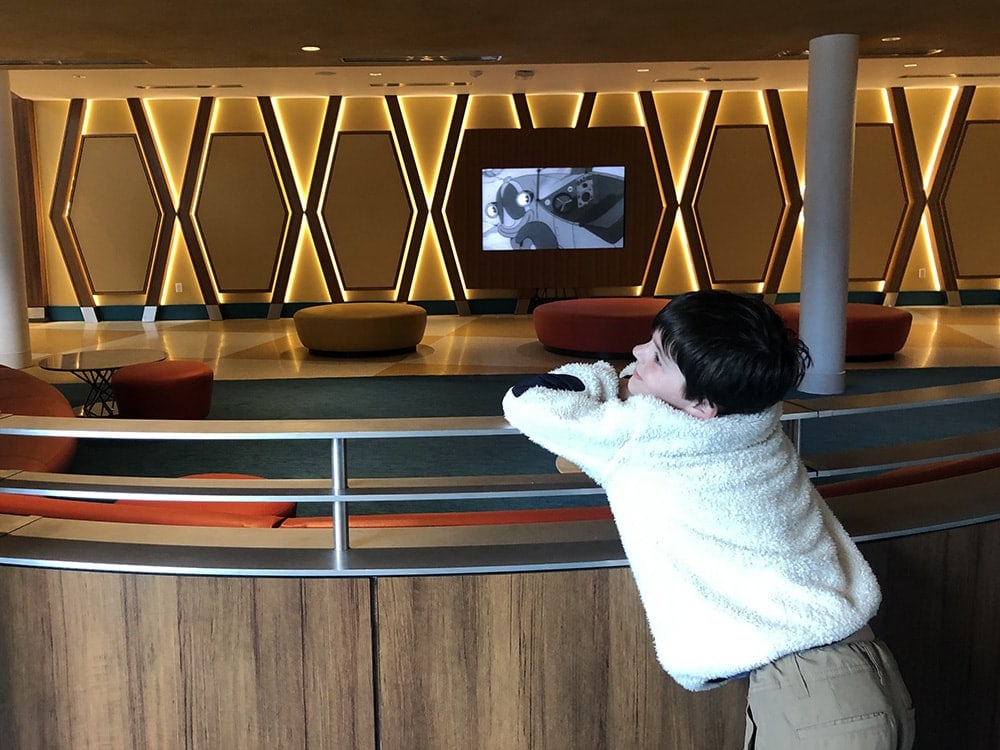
column 545, row 208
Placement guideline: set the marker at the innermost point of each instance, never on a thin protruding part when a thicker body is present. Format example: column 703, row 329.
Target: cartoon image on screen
column 553, row 207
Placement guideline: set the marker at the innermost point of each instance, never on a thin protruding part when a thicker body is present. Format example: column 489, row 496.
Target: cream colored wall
column 427, row 121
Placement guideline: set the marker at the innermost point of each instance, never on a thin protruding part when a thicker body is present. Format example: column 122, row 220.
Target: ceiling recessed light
column 310, row 48
column 642, row 70
column 892, row 38
column 909, row 65
column 374, row 74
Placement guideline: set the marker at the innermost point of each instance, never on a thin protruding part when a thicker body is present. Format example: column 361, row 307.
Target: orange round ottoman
column 358, row 328
column 171, row 389
column 872, row 332
column 607, row 327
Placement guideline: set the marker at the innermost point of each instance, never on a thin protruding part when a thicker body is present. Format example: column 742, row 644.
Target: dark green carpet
column 464, row 395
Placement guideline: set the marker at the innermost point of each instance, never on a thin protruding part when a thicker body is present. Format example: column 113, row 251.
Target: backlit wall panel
column 919, row 223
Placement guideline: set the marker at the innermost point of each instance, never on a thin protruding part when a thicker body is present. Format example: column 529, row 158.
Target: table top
column 100, row 359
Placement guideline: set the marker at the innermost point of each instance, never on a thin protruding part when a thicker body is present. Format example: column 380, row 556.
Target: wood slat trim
column 913, row 185
column 939, row 187
column 185, row 208
column 699, row 157
column 65, row 172
column 668, row 213
column 32, row 229
column 295, row 215
column 314, row 218
column 587, row 102
column 523, row 112
column 440, row 219
column 789, row 180
column 161, row 194
column 418, row 219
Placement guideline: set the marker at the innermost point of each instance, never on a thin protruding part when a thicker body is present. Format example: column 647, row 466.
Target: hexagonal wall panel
column 114, row 214
column 739, row 203
column 367, row 229
column 878, row 200
column 970, row 201
column 242, row 212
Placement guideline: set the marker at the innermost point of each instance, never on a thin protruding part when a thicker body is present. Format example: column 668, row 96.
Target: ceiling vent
column 73, row 63
column 409, row 59
column 418, row 84
column 187, row 86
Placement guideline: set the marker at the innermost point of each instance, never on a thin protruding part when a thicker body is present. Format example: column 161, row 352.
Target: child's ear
column 702, row 409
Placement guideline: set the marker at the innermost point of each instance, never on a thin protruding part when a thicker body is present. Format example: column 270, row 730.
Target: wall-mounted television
column 553, row 208
column 547, row 208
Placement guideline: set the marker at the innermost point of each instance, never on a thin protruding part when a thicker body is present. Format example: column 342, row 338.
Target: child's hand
column 553, row 381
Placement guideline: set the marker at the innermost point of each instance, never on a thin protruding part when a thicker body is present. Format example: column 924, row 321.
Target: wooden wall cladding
column 559, row 659
column 554, row 147
column 536, row 660
column 92, row 660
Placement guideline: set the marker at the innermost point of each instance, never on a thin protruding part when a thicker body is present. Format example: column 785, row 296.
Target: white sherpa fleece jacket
column 736, row 557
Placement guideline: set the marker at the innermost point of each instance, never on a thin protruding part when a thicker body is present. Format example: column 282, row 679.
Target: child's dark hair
column 734, row 351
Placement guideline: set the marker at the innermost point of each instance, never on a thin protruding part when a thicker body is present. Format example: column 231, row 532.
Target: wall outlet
column 921, row 273
column 179, row 287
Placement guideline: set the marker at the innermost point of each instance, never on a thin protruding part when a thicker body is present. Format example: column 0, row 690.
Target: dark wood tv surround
column 554, row 147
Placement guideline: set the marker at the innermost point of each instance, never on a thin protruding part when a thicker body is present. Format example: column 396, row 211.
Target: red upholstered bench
column 21, row 393
column 873, row 331
column 171, row 389
column 153, row 513
column 596, row 327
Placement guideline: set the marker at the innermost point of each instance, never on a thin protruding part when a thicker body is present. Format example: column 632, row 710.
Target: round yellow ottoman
column 361, row 327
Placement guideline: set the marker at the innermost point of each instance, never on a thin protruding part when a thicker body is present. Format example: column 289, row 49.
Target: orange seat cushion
column 871, row 330
column 596, row 327
column 171, row 389
column 22, row 393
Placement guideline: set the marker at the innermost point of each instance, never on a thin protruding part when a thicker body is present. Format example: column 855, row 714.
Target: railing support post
column 338, row 486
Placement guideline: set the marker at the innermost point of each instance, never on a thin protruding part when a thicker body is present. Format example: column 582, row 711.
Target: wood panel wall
column 507, row 661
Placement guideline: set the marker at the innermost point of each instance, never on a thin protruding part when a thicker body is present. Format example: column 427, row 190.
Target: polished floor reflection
column 452, row 345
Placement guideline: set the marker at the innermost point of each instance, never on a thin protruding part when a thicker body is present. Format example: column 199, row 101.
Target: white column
column 15, row 344
column 833, row 80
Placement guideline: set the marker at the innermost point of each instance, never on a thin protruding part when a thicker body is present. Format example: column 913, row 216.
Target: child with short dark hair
column 741, row 566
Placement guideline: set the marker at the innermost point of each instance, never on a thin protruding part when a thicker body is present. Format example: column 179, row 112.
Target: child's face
column 656, row 374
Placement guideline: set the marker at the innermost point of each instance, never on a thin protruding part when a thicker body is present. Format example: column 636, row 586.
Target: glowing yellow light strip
column 942, row 134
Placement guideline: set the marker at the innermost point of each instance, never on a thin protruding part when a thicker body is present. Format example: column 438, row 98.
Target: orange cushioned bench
column 872, row 331
column 598, row 327
column 21, row 393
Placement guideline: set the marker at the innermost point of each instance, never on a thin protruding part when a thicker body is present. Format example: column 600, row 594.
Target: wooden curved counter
column 164, row 637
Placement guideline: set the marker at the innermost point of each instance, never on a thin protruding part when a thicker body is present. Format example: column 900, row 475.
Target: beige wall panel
column 741, row 108
column 680, row 116
column 241, row 212
column 180, row 270
column 794, row 104
column 739, row 203
column 929, row 112
column 237, row 116
column 364, row 113
column 427, row 123
column 107, row 117
column 985, row 104
column 114, row 214
column 368, row 230
column 50, row 127
column 554, row 110
column 147, row 661
column 972, row 199
column 616, row 110
column 430, row 280
column 872, row 105
column 172, row 122
column 877, row 202
column 301, row 123
column 306, row 283
column 491, row 112
column 537, row 660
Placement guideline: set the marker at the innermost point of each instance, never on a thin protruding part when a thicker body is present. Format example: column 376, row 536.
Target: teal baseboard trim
column 241, row 310
column 63, row 314
column 980, row 296
column 119, row 312
column 181, row 312
column 916, row 299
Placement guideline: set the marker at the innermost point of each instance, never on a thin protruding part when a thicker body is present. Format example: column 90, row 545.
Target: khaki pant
column 846, row 696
